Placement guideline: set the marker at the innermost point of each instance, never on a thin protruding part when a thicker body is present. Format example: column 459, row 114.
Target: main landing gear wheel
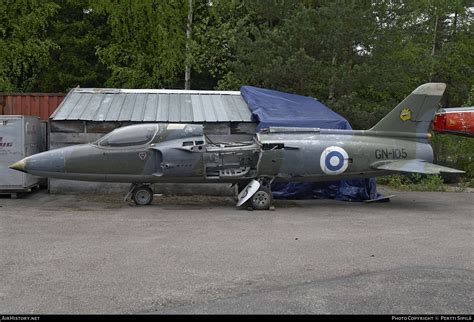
column 142, row 195
column 262, row 199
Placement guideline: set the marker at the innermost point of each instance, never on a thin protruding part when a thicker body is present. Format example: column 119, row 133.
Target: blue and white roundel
column 334, row 160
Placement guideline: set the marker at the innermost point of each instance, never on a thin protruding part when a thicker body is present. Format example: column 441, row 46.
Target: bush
column 455, row 151
column 414, row 182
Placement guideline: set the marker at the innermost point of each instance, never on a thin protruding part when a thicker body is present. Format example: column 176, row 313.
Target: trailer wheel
column 262, row 199
column 142, row 195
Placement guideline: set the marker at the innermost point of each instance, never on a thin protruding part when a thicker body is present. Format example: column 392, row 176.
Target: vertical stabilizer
column 415, row 113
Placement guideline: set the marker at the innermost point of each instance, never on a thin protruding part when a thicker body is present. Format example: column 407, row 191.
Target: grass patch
column 414, row 182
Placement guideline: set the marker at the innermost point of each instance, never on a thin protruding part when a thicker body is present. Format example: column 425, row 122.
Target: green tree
column 470, row 99
column 308, row 48
column 76, row 30
column 412, row 43
column 360, row 58
column 24, row 46
column 213, row 40
column 147, row 45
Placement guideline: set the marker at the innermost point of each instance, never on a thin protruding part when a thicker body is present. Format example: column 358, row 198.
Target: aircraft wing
column 414, row 166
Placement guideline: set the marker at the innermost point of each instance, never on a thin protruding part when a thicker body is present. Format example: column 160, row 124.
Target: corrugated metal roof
column 148, row 105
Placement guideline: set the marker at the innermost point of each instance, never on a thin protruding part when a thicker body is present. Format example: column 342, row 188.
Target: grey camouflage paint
column 182, row 153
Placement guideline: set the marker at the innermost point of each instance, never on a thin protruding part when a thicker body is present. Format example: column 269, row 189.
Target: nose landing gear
column 256, row 194
column 141, row 194
column 262, row 199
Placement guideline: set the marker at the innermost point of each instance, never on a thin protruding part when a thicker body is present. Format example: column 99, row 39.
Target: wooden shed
column 86, row 114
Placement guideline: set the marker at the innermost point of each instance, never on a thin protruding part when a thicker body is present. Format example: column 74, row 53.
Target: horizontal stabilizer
column 413, row 166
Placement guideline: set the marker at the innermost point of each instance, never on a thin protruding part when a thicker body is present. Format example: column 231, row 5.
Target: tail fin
column 415, row 113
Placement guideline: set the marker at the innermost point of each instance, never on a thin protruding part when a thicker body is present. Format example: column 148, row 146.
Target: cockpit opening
column 142, row 134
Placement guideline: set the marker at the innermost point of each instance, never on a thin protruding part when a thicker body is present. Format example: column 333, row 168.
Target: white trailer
column 20, row 136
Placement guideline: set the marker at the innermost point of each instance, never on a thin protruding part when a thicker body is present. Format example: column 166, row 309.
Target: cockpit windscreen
column 130, row 135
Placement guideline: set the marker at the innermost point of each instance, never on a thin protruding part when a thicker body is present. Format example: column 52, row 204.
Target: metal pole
column 187, row 72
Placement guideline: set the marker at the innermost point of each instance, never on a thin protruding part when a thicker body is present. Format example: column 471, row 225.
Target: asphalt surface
column 95, row 254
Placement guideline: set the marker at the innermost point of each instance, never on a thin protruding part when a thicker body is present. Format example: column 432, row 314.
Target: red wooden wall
column 34, row 104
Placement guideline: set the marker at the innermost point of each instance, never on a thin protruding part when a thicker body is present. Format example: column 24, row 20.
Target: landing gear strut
column 141, row 194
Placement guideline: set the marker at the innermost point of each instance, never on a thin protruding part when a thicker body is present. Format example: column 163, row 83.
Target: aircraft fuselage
column 280, row 154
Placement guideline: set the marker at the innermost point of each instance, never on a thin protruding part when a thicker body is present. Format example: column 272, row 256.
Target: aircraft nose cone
column 43, row 163
column 19, row 165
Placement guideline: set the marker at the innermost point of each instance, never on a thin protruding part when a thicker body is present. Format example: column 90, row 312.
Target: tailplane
column 413, row 166
column 415, row 113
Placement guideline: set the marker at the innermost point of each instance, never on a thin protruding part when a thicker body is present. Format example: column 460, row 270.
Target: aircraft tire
column 262, row 199
column 142, row 196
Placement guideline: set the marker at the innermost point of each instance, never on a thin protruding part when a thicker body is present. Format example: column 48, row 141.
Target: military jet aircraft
column 154, row 153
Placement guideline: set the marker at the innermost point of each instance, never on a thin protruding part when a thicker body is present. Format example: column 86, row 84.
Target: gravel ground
column 97, row 254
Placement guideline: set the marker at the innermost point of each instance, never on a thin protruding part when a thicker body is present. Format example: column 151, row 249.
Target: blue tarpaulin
column 274, row 108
